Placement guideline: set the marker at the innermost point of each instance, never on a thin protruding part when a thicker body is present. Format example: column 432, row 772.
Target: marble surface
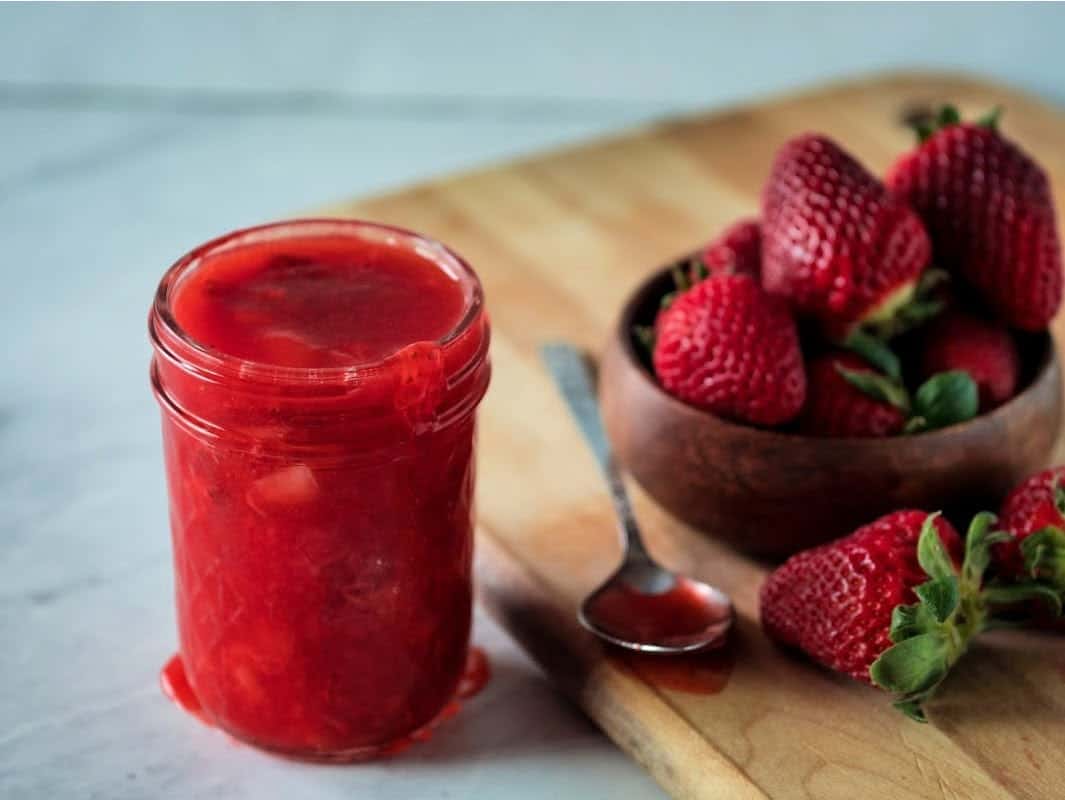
column 129, row 133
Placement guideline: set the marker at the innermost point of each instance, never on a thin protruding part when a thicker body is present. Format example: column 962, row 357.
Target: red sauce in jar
column 319, row 381
column 318, row 302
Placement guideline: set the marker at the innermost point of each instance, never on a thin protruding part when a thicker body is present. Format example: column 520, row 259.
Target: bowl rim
column 636, row 299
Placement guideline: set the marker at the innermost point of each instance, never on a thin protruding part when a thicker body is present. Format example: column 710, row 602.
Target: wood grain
column 559, row 240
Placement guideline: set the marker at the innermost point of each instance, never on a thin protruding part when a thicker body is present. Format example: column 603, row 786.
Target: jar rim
column 166, row 333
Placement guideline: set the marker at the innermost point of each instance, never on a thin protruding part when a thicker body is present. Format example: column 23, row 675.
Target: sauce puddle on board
column 175, row 684
column 703, row 673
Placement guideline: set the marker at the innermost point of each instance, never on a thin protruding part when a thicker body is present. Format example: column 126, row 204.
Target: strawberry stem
column 875, row 351
column 933, row 634
column 907, row 309
column 877, row 386
column 953, row 607
column 926, row 126
column 991, row 118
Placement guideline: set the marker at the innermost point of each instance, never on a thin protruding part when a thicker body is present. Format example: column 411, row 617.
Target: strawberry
column 737, row 250
column 836, row 407
column 861, row 393
column 835, row 243
column 985, row 350
column 887, row 604
column 988, row 208
column 727, row 346
column 1033, row 514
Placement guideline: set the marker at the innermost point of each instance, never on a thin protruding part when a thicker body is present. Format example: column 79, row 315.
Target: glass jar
column 321, row 515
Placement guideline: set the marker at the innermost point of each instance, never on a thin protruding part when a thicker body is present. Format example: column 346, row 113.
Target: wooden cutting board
column 559, row 239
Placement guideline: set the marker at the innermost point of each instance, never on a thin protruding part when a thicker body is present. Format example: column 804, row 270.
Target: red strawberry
column 848, row 395
column 738, row 250
column 985, row 350
column 729, row 347
column 834, row 241
column 835, row 601
column 886, row 605
column 1033, row 514
column 836, row 407
column 989, row 211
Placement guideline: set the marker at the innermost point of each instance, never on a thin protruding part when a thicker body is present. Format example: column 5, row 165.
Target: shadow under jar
column 318, row 381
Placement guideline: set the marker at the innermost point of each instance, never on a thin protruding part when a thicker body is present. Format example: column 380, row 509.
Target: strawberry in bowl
column 835, row 242
column 833, row 359
column 730, row 347
column 988, row 208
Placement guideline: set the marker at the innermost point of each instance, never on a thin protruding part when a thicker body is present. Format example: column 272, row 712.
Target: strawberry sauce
column 704, row 673
column 175, row 685
column 319, row 381
column 665, row 618
column 318, row 303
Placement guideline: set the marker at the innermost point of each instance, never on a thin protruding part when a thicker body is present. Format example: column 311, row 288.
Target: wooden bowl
column 772, row 493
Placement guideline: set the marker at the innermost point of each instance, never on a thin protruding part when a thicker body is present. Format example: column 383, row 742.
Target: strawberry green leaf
column 876, row 352
column 917, row 313
column 948, row 115
column 947, row 399
column 991, row 118
column 910, row 621
column 681, row 279
column 912, row 315
column 931, row 635
column 645, row 337
column 930, row 279
column 1008, row 594
column 924, row 129
column 921, row 311
column 697, row 270
column 877, row 386
column 913, row 665
column 926, row 125
column 978, row 542
column 1059, row 498
column 1044, row 556
column 931, row 554
column 941, row 596
column 912, row 708
column 915, row 425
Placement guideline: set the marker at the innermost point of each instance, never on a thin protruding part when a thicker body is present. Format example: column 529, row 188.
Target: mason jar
column 319, row 381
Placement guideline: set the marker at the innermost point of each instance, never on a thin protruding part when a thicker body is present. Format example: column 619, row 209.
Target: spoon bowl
column 647, row 608
column 642, row 606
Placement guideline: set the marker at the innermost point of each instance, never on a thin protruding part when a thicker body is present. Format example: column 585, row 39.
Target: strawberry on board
column 889, row 604
column 983, row 349
column 836, row 243
column 738, row 250
column 729, row 347
column 1033, row 514
column 988, row 208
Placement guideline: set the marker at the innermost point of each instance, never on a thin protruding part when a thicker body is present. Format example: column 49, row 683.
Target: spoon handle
column 569, row 369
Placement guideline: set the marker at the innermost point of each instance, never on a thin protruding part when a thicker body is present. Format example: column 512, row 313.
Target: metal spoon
column 642, row 606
